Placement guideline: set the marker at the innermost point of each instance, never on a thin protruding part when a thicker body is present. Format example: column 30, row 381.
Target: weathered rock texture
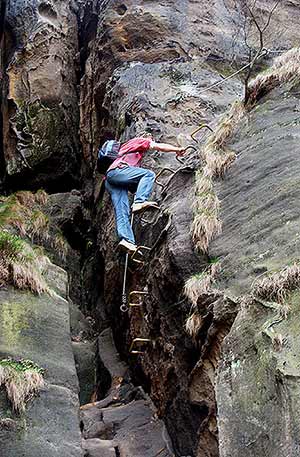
column 125, row 421
column 39, row 100
column 260, row 212
column 144, row 65
column 37, row 328
column 155, row 59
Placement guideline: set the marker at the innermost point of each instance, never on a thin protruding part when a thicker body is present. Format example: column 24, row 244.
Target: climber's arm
column 165, row 147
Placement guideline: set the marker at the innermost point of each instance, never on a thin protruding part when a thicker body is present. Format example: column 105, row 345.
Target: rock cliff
column 218, row 371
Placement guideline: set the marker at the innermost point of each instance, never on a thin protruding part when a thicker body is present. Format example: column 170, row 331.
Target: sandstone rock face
column 39, row 102
column 159, row 49
column 148, row 66
column 124, row 422
column 151, row 76
column 260, row 236
column 37, row 328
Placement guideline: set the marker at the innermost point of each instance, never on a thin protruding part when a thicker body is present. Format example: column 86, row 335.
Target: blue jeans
column 118, row 182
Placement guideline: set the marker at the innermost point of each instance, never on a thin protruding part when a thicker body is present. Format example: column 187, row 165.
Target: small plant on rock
column 285, row 68
column 278, row 286
column 20, row 264
column 199, row 285
column 193, row 324
column 217, row 159
column 22, row 380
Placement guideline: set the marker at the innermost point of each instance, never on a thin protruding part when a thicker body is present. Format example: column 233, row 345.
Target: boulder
column 37, row 328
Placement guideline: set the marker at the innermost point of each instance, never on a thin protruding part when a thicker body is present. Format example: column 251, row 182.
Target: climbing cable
column 264, row 52
column 124, row 307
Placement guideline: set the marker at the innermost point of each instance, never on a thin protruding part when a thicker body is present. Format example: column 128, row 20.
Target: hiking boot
column 140, row 207
column 127, row 246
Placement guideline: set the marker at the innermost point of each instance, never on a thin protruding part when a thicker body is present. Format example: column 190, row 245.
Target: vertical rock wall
column 144, row 66
column 258, row 380
column 145, row 70
column 154, row 61
column 37, row 328
column 39, row 100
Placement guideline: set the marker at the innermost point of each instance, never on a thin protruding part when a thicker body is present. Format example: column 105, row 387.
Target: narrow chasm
column 190, row 348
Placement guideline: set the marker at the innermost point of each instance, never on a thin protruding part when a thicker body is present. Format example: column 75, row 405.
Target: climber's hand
column 181, row 152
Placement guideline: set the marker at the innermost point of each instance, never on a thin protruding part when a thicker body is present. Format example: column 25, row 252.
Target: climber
column 126, row 175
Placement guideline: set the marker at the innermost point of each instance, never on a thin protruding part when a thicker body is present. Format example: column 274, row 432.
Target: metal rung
column 181, row 159
column 151, row 221
column 136, row 292
column 161, row 172
column 137, row 251
column 201, row 126
column 138, row 340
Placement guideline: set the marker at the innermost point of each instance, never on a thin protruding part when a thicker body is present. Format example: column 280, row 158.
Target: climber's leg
column 125, row 177
column 119, row 196
column 145, row 185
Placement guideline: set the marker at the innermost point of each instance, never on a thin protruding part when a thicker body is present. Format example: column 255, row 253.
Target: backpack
column 107, row 154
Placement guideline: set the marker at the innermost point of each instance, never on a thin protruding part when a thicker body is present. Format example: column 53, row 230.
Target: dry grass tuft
column 217, row 158
column 278, row 286
column 220, row 162
column 285, row 68
column 21, row 265
column 206, row 206
column 28, row 276
column 196, row 286
column 201, row 284
column 61, row 245
column 20, row 211
column 25, row 198
column 193, row 324
column 203, row 183
column 206, row 225
column 22, row 380
column 39, row 225
column 41, row 197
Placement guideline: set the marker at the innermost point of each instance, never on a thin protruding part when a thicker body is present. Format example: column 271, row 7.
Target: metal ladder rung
column 139, row 248
column 137, row 292
column 151, row 221
column 201, row 126
column 161, row 172
column 141, row 341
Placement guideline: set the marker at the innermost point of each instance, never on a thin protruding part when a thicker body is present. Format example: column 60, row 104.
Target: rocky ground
column 74, row 73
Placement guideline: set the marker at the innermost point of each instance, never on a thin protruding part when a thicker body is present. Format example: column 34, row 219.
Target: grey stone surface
column 258, row 386
column 37, row 328
column 109, row 356
column 260, row 202
column 84, row 354
column 258, row 381
column 95, row 448
column 133, row 430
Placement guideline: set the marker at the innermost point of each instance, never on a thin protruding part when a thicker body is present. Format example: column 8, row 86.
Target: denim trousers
column 118, row 182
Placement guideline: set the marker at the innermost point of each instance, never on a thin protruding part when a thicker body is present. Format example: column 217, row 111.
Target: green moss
column 13, row 247
column 21, row 365
column 213, row 260
column 121, row 125
column 14, row 320
column 200, row 276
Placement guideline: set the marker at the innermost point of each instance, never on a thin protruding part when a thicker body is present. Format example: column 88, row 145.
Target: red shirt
column 138, row 146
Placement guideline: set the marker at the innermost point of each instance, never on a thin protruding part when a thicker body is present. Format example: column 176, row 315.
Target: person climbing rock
column 125, row 174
